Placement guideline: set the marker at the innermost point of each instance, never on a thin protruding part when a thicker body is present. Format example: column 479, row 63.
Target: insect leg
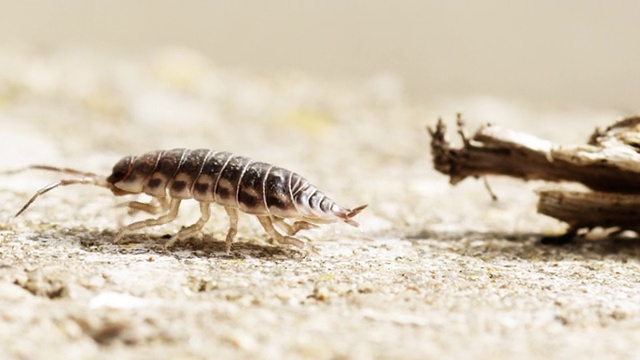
column 156, row 206
column 205, row 215
column 174, row 205
column 233, row 226
column 267, row 224
column 295, row 227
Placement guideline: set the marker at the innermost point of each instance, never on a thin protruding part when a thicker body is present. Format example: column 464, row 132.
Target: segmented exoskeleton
column 271, row 193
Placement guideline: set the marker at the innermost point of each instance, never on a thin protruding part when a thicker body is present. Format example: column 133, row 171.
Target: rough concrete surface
column 432, row 272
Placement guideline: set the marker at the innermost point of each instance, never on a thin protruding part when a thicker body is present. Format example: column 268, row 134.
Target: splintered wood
column 608, row 164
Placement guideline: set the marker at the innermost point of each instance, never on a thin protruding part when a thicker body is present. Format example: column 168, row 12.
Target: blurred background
column 546, row 54
column 340, row 92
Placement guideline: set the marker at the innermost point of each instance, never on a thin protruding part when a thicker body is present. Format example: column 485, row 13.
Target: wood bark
column 608, row 163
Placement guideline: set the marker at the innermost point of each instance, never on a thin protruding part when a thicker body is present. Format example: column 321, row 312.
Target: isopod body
column 237, row 183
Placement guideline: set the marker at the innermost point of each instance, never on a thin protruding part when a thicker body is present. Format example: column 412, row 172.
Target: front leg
column 156, row 206
column 174, row 206
column 205, row 215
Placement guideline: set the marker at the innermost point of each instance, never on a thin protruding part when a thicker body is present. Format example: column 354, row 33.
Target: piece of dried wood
column 608, row 163
column 591, row 209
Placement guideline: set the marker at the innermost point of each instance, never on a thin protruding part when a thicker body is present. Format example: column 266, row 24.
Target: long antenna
column 50, row 168
column 95, row 180
column 88, row 178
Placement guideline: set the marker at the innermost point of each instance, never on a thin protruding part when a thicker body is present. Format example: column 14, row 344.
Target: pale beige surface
column 432, row 272
column 551, row 54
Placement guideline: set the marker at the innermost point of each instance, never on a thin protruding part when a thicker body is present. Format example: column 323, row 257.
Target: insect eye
column 121, row 170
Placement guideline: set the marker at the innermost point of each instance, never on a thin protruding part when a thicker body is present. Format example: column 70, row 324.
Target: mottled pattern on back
column 226, row 179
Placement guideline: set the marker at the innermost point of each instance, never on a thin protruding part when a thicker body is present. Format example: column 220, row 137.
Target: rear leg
column 292, row 229
column 267, row 224
column 205, row 215
column 174, row 205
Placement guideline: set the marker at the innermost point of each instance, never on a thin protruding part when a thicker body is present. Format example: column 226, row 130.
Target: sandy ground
column 432, row 272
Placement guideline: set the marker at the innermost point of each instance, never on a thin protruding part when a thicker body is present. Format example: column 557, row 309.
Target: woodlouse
column 271, row 193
